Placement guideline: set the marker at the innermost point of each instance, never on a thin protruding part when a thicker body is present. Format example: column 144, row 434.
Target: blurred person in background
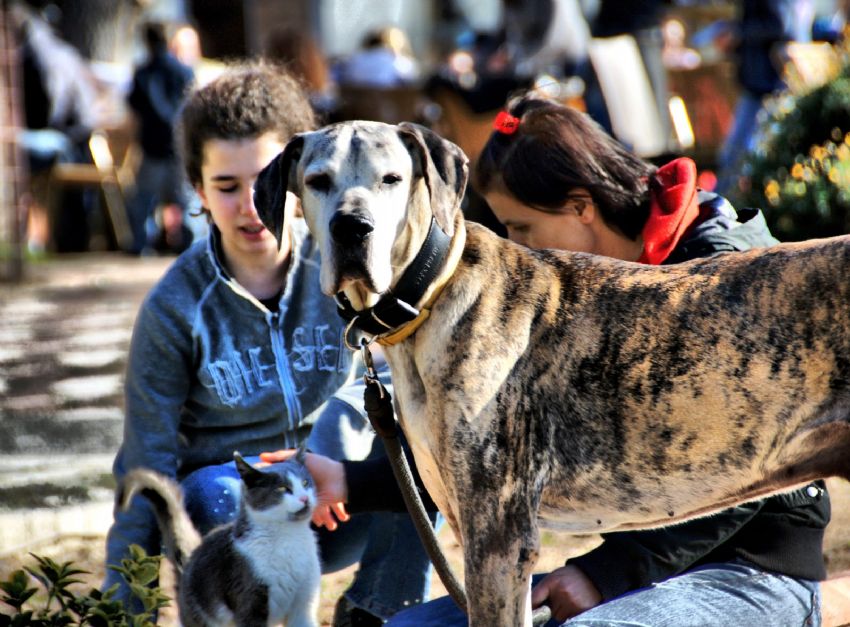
column 547, row 36
column 384, row 59
column 757, row 40
column 159, row 88
column 60, row 98
column 642, row 20
column 185, row 45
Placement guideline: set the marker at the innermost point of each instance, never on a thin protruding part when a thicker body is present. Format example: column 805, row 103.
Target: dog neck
column 401, row 311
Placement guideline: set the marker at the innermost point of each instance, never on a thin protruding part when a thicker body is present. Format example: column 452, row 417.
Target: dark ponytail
column 556, row 149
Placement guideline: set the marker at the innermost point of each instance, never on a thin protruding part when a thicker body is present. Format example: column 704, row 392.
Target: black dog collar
column 398, row 307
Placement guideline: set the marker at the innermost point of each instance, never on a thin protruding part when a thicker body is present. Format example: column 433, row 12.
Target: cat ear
column 248, row 473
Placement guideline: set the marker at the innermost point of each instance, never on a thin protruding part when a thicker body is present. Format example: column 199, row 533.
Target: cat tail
column 179, row 534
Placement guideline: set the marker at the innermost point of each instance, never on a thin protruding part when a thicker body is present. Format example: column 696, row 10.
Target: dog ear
column 273, row 182
column 444, row 166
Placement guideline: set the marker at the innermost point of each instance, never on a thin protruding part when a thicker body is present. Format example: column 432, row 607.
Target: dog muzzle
column 397, row 307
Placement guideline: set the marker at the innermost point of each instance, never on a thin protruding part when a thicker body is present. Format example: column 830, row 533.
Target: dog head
column 368, row 191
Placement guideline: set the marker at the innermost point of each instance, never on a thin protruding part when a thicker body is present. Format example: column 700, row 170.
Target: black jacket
column 159, row 87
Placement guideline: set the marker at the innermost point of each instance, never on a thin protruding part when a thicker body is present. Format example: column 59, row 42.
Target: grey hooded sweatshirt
column 211, row 370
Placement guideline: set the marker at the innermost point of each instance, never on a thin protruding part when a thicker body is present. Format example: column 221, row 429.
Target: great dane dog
column 567, row 389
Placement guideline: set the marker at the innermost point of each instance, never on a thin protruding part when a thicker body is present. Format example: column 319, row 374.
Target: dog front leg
column 499, row 557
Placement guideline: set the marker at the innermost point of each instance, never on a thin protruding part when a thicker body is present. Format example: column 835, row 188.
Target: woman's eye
column 318, row 182
column 391, row 179
column 228, row 190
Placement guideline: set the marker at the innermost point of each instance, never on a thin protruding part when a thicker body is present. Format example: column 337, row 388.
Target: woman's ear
column 580, row 203
column 586, row 210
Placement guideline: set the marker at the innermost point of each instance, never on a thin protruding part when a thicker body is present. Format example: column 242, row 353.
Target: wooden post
column 13, row 171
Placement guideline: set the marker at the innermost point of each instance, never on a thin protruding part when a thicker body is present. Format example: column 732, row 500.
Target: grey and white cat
column 262, row 569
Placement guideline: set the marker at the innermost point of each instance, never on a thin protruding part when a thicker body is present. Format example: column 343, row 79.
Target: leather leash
column 379, row 409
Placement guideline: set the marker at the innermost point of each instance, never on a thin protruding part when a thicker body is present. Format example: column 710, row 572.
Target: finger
column 322, row 518
column 561, row 611
column 277, row 456
column 340, row 512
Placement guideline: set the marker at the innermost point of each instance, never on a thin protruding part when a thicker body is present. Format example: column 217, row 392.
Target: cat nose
column 304, row 498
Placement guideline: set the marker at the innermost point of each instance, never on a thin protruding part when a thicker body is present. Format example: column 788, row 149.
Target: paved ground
column 64, row 334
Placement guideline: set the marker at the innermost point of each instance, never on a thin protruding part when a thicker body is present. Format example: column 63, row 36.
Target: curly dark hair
column 556, row 149
column 248, row 100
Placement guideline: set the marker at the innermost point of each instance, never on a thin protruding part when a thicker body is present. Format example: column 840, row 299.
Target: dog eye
column 318, row 182
column 391, row 179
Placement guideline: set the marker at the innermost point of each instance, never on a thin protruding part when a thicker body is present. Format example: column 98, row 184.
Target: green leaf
column 43, row 580
column 17, row 589
column 24, row 618
column 95, row 608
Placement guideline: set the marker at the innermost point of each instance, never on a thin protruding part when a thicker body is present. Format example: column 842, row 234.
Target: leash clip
column 353, row 348
column 370, row 377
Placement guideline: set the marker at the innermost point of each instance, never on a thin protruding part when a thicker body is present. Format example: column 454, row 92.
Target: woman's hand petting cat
column 331, row 489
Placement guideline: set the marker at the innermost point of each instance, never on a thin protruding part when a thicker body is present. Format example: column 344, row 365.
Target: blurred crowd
column 663, row 77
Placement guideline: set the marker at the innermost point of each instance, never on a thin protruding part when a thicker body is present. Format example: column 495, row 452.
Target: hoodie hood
column 673, row 209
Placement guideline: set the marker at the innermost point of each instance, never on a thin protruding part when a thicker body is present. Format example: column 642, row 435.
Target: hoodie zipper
column 290, row 399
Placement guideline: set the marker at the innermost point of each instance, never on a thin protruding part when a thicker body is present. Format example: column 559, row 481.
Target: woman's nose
column 246, row 202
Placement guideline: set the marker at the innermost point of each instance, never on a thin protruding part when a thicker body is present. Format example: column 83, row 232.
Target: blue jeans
column 734, row 593
column 158, row 181
column 739, row 142
column 394, row 571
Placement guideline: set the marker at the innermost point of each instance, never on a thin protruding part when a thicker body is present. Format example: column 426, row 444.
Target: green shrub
column 57, row 605
column 799, row 172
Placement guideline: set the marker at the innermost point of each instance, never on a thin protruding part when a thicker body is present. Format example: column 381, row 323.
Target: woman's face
column 228, row 172
column 568, row 230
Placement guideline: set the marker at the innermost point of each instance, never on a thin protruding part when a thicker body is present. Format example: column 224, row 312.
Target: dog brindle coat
column 582, row 392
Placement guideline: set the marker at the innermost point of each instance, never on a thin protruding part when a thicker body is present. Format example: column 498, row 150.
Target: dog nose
column 351, row 228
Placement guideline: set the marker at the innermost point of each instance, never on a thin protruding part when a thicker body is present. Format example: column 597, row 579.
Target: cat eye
column 285, row 489
column 305, row 483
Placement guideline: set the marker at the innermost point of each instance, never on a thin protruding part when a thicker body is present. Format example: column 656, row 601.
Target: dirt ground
column 88, row 553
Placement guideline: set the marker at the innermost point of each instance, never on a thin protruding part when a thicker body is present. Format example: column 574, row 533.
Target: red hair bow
column 505, row 123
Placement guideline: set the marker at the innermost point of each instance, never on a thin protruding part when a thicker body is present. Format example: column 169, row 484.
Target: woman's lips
column 253, row 231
